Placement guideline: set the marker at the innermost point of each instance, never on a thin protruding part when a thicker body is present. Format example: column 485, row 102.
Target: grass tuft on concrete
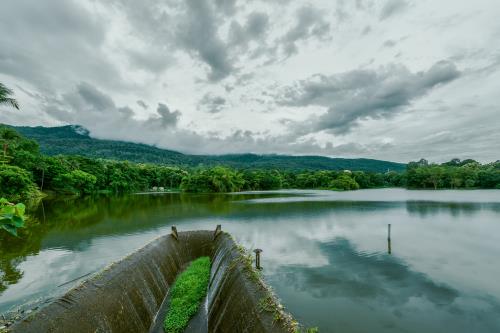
column 187, row 293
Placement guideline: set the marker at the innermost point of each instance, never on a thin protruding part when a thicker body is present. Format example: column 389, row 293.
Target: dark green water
column 325, row 253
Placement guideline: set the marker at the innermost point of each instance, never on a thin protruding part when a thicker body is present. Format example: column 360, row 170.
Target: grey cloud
column 389, row 43
column 167, row 117
column 95, row 98
column 228, row 7
column 212, row 103
column 126, row 111
column 310, row 22
column 392, row 7
column 198, row 34
column 39, row 37
column 142, row 104
column 255, row 27
column 152, row 60
column 362, row 94
column 257, row 24
column 94, row 109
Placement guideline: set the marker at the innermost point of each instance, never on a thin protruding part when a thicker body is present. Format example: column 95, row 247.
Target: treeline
column 25, row 172
column 454, row 174
column 223, row 179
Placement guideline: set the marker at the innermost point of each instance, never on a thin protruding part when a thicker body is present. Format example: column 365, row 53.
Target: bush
column 76, row 181
column 11, row 216
column 16, row 183
column 344, row 182
column 186, row 295
column 217, row 179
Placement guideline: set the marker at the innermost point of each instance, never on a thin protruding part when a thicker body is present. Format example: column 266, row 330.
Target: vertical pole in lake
column 257, row 258
column 389, row 238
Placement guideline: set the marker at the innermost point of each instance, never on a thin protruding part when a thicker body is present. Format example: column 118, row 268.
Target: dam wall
column 127, row 295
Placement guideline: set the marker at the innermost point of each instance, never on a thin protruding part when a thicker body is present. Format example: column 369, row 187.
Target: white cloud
column 205, row 78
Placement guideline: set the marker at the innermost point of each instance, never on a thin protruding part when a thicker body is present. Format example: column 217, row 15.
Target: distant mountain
column 75, row 140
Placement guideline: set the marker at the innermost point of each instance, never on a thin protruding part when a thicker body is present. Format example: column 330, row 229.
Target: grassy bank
column 186, row 295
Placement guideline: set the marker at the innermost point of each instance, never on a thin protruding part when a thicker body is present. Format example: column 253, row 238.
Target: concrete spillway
column 128, row 295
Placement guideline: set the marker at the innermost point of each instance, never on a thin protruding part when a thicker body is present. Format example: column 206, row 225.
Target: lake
column 325, row 253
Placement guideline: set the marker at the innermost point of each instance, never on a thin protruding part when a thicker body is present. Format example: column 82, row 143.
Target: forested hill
column 75, row 140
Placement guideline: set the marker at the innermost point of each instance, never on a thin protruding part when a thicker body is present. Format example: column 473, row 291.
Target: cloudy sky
column 386, row 79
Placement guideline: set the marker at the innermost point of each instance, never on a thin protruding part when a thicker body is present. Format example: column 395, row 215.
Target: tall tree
column 5, row 98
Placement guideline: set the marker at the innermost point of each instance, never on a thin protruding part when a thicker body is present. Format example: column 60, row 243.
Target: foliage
column 189, row 289
column 216, row 179
column 16, row 183
column 76, row 181
column 11, row 216
column 24, row 170
column 454, row 174
column 344, row 182
column 74, row 140
column 5, row 98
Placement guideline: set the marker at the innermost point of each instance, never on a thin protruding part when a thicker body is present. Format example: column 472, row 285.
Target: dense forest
column 25, row 172
column 75, row 140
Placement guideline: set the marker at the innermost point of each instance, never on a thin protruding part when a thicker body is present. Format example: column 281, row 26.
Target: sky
column 395, row 80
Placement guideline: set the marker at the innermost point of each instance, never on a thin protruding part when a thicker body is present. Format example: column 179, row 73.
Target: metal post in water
column 174, row 232
column 257, row 258
column 389, row 238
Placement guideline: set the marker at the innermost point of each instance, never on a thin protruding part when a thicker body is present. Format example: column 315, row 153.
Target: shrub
column 186, row 295
column 344, row 182
column 76, row 181
column 11, row 216
column 16, row 183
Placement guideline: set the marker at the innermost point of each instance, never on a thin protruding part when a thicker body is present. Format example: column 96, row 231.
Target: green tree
column 16, row 183
column 216, row 179
column 76, row 181
column 5, row 98
column 344, row 182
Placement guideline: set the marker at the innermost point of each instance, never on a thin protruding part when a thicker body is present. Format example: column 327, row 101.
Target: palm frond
column 4, row 99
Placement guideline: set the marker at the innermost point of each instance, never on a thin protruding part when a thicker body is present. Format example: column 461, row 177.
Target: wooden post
column 257, row 258
column 174, row 232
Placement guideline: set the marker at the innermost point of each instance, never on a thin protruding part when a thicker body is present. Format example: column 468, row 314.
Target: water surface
column 325, row 253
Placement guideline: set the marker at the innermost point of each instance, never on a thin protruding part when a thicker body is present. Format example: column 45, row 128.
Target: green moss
column 186, row 295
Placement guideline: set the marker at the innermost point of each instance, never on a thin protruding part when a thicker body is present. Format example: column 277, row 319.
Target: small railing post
column 174, row 232
column 257, row 258
column 218, row 231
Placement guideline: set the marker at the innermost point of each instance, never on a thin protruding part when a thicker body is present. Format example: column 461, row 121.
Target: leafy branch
column 11, row 216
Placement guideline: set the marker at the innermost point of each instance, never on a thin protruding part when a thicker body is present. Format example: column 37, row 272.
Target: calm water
column 325, row 253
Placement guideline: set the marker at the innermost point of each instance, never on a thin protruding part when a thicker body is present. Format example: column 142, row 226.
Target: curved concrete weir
column 127, row 295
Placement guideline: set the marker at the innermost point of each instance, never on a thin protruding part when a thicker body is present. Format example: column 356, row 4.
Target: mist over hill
column 75, row 140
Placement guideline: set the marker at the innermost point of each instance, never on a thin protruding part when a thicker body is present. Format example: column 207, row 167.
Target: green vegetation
column 11, row 216
column 75, row 140
column 344, row 182
column 454, row 174
column 217, row 179
column 186, row 295
column 5, row 98
column 25, row 172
